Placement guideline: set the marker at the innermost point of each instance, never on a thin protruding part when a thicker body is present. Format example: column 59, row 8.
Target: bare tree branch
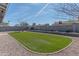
column 71, row 9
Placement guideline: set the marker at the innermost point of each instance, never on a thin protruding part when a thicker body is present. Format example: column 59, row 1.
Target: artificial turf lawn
column 42, row 43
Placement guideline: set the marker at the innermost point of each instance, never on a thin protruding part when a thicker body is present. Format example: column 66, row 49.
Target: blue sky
column 34, row 13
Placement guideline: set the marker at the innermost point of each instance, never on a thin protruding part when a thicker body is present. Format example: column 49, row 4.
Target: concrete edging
column 39, row 52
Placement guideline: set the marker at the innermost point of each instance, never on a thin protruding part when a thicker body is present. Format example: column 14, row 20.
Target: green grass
column 42, row 43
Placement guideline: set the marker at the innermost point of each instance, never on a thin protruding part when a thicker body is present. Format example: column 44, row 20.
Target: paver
column 9, row 47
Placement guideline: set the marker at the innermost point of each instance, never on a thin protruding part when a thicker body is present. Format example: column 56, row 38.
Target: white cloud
column 39, row 12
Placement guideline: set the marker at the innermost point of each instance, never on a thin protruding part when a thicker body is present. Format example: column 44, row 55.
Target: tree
column 24, row 26
column 71, row 9
column 33, row 26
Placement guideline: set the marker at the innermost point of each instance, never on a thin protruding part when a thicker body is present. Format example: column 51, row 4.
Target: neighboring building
column 44, row 27
column 3, row 26
column 3, row 7
column 66, row 26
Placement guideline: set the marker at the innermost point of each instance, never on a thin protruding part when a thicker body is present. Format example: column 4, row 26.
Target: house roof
column 66, row 23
